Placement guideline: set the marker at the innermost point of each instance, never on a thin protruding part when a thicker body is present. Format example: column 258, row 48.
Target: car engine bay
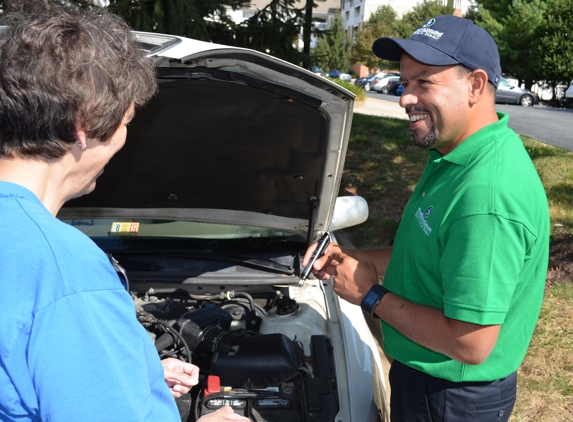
column 267, row 355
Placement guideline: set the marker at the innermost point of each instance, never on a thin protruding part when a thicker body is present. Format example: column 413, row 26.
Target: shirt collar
column 463, row 153
column 9, row 189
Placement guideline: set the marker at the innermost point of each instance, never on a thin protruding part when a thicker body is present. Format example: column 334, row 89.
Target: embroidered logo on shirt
column 428, row 212
column 422, row 221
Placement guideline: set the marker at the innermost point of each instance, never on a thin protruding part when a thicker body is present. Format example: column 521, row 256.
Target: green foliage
column 383, row 23
column 355, row 89
column 555, row 49
column 191, row 18
column 273, row 29
column 384, row 15
column 380, row 24
column 332, row 50
column 533, row 36
column 420, row 14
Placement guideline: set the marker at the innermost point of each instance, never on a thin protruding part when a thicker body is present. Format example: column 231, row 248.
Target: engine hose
column 169, row 329
column 251, row 303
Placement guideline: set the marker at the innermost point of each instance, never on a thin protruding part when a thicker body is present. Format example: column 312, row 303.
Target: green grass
column 545, row 379
column 355, row 89
column 383, row 166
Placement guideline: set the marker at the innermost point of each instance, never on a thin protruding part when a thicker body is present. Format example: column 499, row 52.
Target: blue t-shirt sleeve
column 91, row 360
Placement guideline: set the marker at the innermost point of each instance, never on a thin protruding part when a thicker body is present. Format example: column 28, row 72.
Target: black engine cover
column 263, row 361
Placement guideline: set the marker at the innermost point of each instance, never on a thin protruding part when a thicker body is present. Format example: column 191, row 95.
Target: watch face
column 371, row 298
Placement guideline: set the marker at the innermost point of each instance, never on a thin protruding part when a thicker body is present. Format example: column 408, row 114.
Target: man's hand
column 180, row 376
column 352, row 278
column 379, row 257
column 319, row 267
column 222, row 415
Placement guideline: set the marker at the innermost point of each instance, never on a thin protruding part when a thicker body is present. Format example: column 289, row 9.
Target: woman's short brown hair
column 64, row 69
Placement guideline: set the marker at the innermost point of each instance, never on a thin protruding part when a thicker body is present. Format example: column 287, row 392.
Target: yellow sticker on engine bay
column 119, row 227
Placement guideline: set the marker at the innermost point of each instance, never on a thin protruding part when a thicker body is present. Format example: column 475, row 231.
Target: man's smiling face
column 436, row 100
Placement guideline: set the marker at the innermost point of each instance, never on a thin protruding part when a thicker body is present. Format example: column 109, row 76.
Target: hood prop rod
column 311, row 220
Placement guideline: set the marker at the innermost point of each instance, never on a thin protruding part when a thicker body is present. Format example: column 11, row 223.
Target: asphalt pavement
column 380, row 107
column 549, row 125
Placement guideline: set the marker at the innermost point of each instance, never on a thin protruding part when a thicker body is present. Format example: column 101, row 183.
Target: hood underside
column 233, row 136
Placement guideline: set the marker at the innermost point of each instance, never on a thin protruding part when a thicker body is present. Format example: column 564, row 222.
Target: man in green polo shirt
column 465, row 279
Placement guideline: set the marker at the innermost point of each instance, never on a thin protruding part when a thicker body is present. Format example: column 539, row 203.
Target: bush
column 355, row 89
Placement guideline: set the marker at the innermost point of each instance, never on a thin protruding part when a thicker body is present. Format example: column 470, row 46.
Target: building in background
column 321, row 14
column 356, row 12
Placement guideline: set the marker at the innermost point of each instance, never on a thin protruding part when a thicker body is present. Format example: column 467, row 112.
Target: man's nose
column 408, row 99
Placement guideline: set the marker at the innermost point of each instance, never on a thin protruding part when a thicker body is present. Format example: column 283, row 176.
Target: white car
column 569, row 94
column 227, row 176
column 386, row 84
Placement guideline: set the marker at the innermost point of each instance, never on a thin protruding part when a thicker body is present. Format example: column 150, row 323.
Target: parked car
column 387, row 84
column 569, row 94
column 338, row 74
column 399, row 90
column 226, row 177
column 317, row 70
column 367, row 81
column 510, row 94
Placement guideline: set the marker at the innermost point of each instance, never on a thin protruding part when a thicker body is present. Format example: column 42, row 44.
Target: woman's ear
column 82, row 140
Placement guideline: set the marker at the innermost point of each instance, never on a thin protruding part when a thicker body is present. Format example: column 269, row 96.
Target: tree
column 514, row 25
column 332, row 50
column 420, row 14
column 191, row 18
column 555, row 48
column 380, row 24
column 383, row 23
column 274, row 30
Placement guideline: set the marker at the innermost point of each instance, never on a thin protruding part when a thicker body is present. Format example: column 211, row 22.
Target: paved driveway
column 548, row 125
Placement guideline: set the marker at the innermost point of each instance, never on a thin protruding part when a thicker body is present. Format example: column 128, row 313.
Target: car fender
column 362, row 389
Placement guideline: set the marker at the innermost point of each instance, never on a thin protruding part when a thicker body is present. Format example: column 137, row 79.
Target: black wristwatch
column 372, row 298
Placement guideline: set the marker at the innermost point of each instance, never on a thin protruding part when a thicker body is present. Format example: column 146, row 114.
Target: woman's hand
column 180, row 376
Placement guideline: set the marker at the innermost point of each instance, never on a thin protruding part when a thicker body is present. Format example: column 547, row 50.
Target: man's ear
column 478, row 88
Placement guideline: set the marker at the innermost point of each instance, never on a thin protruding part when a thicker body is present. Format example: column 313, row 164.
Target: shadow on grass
column 383, row 166
column 561, row 193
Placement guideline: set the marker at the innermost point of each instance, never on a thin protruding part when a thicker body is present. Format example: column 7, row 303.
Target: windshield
column 121, row 234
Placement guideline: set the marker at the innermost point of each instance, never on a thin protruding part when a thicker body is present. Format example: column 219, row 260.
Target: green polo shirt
column 474, row 242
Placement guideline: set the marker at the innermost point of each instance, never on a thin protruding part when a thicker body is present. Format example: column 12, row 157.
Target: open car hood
column 233, row 136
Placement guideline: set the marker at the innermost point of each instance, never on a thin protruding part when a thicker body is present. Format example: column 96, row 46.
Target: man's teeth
column 416, row 117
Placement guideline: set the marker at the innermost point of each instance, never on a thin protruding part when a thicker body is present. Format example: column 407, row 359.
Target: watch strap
column 373, row 298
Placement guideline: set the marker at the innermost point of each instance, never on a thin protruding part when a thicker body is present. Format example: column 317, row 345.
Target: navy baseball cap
column 446, row 40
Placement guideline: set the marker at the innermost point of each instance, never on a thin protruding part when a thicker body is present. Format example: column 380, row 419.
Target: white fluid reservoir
column 299, row 325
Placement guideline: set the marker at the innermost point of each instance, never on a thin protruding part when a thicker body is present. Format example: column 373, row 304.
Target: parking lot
column 549, row 125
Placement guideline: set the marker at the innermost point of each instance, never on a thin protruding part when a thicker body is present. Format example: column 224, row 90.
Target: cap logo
column 429, row 23
column 427, row 32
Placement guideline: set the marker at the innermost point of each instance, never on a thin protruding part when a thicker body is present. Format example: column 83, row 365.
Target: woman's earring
column 82, row 148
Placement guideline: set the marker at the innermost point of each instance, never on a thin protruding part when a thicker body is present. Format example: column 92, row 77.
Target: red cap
column 213, row 385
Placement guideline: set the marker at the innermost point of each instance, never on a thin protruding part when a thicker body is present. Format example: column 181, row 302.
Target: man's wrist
column 373, row 298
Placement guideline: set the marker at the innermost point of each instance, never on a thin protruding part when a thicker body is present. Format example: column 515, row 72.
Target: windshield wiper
column 207, row 254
